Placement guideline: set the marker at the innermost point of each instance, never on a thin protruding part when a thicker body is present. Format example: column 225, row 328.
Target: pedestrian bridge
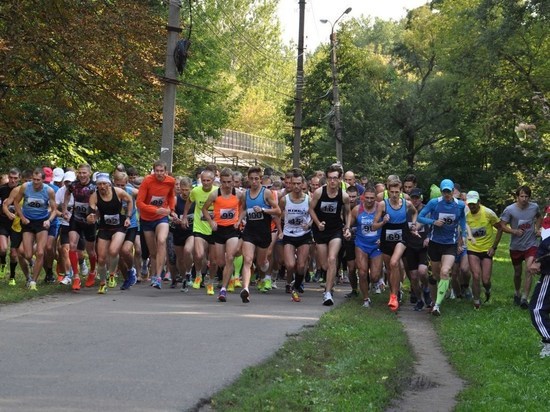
column 239, row 149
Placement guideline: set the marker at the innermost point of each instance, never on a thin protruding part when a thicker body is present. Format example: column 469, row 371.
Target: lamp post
column 335, row 90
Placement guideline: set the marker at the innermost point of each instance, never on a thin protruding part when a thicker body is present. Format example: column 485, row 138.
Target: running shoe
column 419, row 305
column 76, row 284
column 517, row 300
column 487, row 295
column 327, row 299
column 173, row 284
column 210, row 289
column 157, row 282
column 274, row 284
column 111, row 283
column 295, row 297
column 11, row 282
column 477, row 304
column 245, row 296
column 60, row 277
column 524, row 304
column 268, row 284
column 84, row 270
column 261, row 286
column 238, row 283
column 377, row 289
column 184, row 286
column 90, row 280
column 366, row 303
column 126, row 284
column 197, row 282
column 468, row 293
column 66, row 280
column 132, row 275
column 427, row 296
column 545, row 351
column 231, row 285
column 352, row 294
column 299, row 288
column 49, row 279
column 393, row 304
column 32, row 285
column 436, row 311
column 102, row 289
column 288, row 288
column 222, row 296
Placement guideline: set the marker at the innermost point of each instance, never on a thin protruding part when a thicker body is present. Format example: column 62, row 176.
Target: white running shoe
column 84, row 268
column 327, row 299
column 66, row 280
column 545, row 351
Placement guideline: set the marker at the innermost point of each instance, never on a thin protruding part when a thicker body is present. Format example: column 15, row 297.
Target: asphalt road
column 139, row 350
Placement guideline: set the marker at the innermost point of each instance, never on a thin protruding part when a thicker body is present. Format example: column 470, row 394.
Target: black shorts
column 107, row 234
column 437, row 250
column 415, row 258
column 298, row 240
column 84, row 230
column 5, row 228
column 15, row 239
column 131, row 234
column 480, row 255
column 34, row 226
column 348, row 246
column 64, row 235
column 261, row 240
column 324, row 237
column 224, row 233
column 208, row 238
column 181, row 236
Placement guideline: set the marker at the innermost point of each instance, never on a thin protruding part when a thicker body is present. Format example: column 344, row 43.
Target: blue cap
column 446, row 184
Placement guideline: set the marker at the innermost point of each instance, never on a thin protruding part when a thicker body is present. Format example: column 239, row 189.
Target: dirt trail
column 434, row 384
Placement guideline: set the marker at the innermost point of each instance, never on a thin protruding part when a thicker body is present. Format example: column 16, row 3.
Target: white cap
column 69, row 176
column 58, row 174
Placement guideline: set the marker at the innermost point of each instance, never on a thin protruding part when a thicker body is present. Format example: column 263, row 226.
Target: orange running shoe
column 393, row 303
column 76, row 284
column 90, row 280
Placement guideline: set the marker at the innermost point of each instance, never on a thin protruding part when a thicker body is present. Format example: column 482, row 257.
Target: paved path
column 138, row 350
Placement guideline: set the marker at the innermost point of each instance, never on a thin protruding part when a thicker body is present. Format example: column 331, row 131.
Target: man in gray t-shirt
column 522, row 220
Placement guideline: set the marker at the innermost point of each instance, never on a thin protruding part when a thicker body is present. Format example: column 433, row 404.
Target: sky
column 317, row 32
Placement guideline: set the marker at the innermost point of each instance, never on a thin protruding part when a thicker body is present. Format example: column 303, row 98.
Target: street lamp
column 335, row 90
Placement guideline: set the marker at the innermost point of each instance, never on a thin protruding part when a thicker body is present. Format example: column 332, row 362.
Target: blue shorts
column 54, row 228
column 151, row 225
column 371, row 251
column 461, row 255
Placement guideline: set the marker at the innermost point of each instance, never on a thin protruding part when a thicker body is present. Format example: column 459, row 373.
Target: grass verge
column 496, row 349
column 353, row 359
column 19, row 292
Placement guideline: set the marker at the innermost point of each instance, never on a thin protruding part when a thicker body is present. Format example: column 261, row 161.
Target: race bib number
column 524, row 224
column 251, row 214
column 112, row 220
column 35, row 202
column 447, row 218
column 479, row 232
column 80, row 209
column 329, row 207
column 394, row 235
column 227, row 214
column 157, row 201
column 297, row 221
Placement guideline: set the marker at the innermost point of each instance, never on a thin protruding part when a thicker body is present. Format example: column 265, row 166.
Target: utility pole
column 170, row 83
column 335, row 89
column 298, row 99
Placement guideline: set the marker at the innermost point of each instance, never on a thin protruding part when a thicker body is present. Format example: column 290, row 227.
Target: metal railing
column 245, row 142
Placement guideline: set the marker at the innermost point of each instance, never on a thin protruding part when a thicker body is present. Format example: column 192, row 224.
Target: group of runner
column 377, row 234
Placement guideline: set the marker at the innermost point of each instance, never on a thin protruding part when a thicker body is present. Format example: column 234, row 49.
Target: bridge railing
column 245, row 142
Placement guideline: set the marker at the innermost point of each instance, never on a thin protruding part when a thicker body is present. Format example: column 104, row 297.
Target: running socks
column 442, row 287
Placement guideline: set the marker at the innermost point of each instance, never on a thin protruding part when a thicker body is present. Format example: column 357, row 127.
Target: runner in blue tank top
column 37, row 213
column 368, row 255
column 446, row 215
column 395, row 234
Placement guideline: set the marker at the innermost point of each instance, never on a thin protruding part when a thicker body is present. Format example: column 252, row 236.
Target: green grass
column 19, row 292
column 352, row 360
column 496, row 349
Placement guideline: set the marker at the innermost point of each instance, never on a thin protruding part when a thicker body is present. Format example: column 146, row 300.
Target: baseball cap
column 472, row 197
column 58, row 174
column 447, row 184
column 48, row 174
column 69, row 176
column 416, row 192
